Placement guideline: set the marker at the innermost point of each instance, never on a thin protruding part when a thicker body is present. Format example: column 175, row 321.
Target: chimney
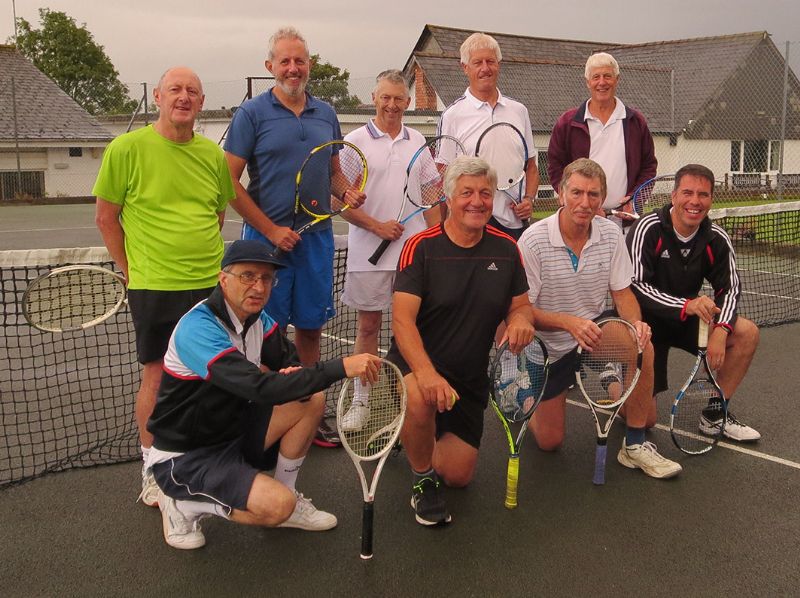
column 425, row 96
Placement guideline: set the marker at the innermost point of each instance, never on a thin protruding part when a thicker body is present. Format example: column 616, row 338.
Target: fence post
column 783, row 121
column 16, row 134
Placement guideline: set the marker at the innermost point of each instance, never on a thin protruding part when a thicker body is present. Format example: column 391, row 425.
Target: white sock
column 145, row 452
column 360, row 393
column 287, row 469
column 195, row 508
column 508, row 367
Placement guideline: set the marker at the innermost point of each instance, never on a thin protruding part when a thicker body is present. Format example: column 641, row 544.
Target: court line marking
column 721, row 444
column 47, row 230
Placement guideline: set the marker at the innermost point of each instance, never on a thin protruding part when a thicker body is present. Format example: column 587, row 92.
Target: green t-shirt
column 171, row 194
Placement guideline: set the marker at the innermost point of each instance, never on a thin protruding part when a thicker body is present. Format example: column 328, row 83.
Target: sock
column 508, row 368
column 287, row 469
column 194, row 508
column 360, row 393
column 420, row 475
column 145, row 452
column 634, row 436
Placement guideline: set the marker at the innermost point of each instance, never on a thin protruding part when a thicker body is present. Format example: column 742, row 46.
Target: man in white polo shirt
column 573, row 259
column 388, row 146
column 604, row 129
column 481, row 106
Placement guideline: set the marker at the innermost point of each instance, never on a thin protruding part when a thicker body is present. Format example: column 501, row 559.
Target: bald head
column 181, row 72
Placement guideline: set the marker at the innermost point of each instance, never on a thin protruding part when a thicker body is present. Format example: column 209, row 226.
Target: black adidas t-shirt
column 466, row 293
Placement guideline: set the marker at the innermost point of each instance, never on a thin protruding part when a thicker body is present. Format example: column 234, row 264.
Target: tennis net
column 67, row 400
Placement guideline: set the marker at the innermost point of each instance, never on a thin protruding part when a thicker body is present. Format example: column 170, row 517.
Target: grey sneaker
column 306, row 516
column 645, row 457
column 180, row 531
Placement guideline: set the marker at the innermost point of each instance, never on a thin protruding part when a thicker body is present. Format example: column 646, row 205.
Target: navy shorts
column 666, row 334
column 515, row 233
column 561, row 375
column 155, row 315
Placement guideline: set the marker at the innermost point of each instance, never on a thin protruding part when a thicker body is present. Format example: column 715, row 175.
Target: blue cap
column 250, row 251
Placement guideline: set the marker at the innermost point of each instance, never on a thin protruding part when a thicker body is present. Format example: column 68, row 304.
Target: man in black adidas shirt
column 673, row 250
column 455, row 283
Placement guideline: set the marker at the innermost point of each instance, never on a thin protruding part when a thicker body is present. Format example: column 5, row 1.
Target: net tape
column 67, row 400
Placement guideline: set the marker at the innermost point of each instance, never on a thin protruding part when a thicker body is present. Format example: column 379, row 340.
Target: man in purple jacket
column 606, row 131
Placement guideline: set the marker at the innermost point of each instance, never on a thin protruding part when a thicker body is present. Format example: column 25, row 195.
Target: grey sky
column 225, row 41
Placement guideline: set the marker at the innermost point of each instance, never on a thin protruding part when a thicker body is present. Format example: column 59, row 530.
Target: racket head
column 608, row 374
column 700, row 397
column 424, row 187
column 503, row 146
column 653, row 194
column 73, row 298
column 313, row 183
column 518, row 381
column 387, row 408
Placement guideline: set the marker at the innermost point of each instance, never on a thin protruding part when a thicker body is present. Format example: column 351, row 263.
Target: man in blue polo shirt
column 272, row 134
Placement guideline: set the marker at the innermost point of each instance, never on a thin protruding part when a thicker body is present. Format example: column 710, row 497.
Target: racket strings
column 504, row 150
column 700, row 400
column 317, row 186
column 519, row 381
column 608, row 373
column 69, row 299
column 425, row 180
column 383, row 402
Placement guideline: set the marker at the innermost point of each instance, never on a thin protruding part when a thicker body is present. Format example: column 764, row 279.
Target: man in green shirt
column 161, row 197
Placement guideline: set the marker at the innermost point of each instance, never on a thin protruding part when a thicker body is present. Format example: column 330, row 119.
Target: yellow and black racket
column 517, row 385
column 327, row 173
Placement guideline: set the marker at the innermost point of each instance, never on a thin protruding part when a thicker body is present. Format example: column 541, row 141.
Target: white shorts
column 368, row 291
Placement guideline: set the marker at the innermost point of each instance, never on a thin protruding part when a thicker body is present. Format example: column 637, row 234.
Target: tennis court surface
column 728, row 524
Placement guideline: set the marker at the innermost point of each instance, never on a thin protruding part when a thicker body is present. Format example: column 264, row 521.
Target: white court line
column 732, row 447
column 47, row 230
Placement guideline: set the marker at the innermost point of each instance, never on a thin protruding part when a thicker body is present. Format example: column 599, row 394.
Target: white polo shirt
column 387, row 160
column 555, row 284
column 608, row 150
column 468, row 117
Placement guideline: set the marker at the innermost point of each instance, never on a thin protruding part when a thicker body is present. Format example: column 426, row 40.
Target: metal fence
column 744, row 125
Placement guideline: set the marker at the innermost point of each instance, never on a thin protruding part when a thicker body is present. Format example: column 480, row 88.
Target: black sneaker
column 326, row 436
column 428, row 503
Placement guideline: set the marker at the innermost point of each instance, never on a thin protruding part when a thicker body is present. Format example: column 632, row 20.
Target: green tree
column 68, row 54
column 329, row 83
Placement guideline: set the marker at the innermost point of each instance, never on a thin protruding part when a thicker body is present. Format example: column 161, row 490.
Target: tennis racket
column 316, row 181
column 503, row 146
column 649, row 196
column 518, row 383
column 374, row 440
column 73, row 298
column 700, row 397
column 424, row 181
column 606, row 376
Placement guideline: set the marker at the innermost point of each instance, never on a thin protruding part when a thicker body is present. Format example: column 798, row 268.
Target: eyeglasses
column 248, row 278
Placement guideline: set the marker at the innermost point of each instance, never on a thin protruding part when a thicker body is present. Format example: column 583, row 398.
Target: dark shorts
column 666, row 334
column 516, row 233
column 221, row 473
column 155, row 315
column 561, row 375
column 465, row 419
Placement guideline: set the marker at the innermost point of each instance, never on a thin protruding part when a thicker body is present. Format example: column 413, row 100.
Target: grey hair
column 172, row 68
column 479, row 41
column 467, row 166
column 392, row 76
column 586, row 168
column 599, row 60
column 285, row 33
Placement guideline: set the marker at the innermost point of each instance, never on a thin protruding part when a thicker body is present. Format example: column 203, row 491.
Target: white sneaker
column 355, row 418
column 149, row 493
column 306, row 516
column 180, row 531
column 734, row 429
column 645, row 457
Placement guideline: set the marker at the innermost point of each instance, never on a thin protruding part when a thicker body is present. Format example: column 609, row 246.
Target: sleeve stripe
column 637, row 245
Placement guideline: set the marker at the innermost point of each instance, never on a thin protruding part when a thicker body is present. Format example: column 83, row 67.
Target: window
column 752, row 155
column 774, row 155
column 14, row 185
column 75, row 152
column 544, row 178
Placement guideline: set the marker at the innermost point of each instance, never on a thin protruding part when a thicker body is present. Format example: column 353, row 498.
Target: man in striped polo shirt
column 573, row 259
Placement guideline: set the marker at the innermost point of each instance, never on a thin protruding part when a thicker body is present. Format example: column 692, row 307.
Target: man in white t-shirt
column 388, row 146
column 481, row 106
column 573, row 259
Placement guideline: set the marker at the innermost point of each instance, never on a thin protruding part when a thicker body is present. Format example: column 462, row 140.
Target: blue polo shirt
column 275, row 141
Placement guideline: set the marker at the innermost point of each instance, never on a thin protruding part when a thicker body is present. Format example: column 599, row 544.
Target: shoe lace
column 651, row 448
column 419, row 486
column 731, row 419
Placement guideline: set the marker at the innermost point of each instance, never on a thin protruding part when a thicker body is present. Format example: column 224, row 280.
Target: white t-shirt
column 387, row 160
column 555, row 285
column 468, row 117
column 608, row 150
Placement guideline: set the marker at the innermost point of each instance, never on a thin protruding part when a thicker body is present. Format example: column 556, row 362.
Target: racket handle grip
column 366, row 530
column 511, row 482
column 373, row 259
column 600, row 465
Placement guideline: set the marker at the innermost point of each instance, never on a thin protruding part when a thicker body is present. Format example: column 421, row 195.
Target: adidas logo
column 492, row 266
column 665, row 254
